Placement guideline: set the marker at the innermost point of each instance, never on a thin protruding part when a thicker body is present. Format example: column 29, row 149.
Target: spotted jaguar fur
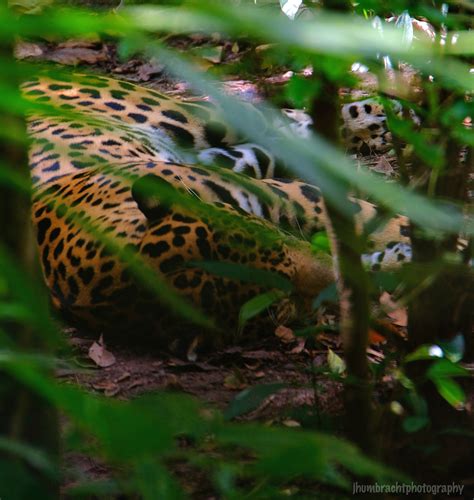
column 94, row 158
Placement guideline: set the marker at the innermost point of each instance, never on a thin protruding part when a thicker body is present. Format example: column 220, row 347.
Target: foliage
column 143, row 436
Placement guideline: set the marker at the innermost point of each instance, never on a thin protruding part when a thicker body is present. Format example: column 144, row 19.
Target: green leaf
column 211, row 54
column 99, row 488
column 451, row 391
column 299, row 90
column 320, row 242
column 29, row 6
column 329, row 294
column 424, row 352
column 446, row 368
column 17, row 480
column 387, row 281
column 34, row 457
column 454, row 348
column 293, row 453
column 404, row 22
column 250, row 399
column 256, row 305
column 246, row 274
column 336, row 364
column 153, row 481
column 415, row 423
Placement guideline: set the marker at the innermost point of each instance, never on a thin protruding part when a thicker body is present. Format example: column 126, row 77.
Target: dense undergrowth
column 428, row 424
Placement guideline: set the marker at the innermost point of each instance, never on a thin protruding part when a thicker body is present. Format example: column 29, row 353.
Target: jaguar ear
column 153, row 196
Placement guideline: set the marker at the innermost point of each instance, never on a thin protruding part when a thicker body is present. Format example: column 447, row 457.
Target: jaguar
column 125, row 176
column 102, row 120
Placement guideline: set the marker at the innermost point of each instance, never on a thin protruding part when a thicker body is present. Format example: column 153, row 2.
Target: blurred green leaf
column 329, row 294
column 415, row 423
column 424, row 352
column 14, row 180
column 299, row 90
column 296, row 453
column 246, row 274
column 256, row 305
column 29, row 6
column 98, row 488
column 34, row 457
column 387, row 281
column 250, row 399
column 320, row 242
column 446, row 368
column 153, row 481
column 31, row 299
column 17, row 480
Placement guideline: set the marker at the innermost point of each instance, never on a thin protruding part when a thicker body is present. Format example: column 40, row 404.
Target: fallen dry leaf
column 149, row 69
column 383, row 166
column 259, row 355
column 24, row 50
column 397, row 314
column 375, row 356
column 285, row 334
column 127, row 67
column 300, row 346
column 99, row 354
column 375, row 337
column 122, row 377
column 109, row 388
column 136, row 383
column 291, row 423
column 172, row 383
column 191, row 353
column 252, row 367
column 234, row 381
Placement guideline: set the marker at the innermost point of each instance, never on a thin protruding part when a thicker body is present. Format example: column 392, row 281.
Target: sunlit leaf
column 424, row 352
column 290, row 7
column 336, row 364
